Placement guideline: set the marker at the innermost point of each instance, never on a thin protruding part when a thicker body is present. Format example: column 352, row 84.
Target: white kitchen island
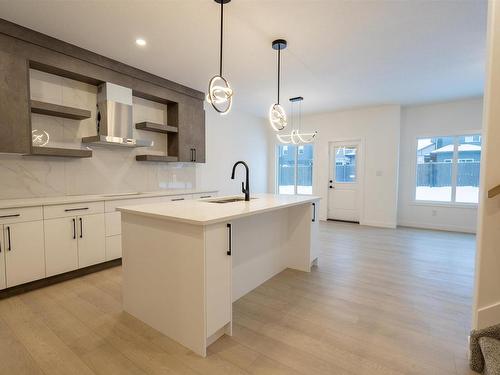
column 185, row 262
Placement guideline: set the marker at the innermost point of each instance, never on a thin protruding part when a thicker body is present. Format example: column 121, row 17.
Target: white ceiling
column 340, row 53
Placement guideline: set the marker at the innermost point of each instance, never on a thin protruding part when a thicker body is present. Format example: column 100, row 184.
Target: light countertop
column 67, row 199
column 204, row 212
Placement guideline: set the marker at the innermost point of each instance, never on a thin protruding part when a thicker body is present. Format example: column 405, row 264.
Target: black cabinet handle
column 230, row 233
column 205, row 196
column 314, row 212
column 81, row 227
column 12, row 215
column 75, row 209
column 74, row 229
column 194, row 159
column 192, row 154
column 177, row 199
column 9, row 246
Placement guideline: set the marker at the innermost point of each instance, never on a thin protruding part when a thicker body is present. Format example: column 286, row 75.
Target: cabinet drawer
column 113, row 223
column 74, row 209
column 18, row 215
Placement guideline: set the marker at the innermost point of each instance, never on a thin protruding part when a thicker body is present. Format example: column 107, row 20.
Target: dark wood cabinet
column 22, row 49
column 15, row 126
column 192, row 135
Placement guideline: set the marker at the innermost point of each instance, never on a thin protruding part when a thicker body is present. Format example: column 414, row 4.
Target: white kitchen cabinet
column 61, row 245
column 113, row 247
column 113, row 223
column 91, row 240
column 24, row 252
column 74, row 242
column 3, row 284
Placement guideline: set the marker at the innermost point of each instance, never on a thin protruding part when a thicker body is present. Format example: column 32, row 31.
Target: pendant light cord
column 221, row 34
column 279, row 70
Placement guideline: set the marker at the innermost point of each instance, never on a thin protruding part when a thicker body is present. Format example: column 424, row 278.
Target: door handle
column 194, row 149
column 74, row 228
column 9, row 246
column 81, row 227
column 230, row 235
column 314, row 212
column 192, row 154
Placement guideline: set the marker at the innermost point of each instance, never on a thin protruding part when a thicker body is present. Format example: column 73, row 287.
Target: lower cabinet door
column 24, row 254
column 113, row 247
column 61, row 249
column 3, row 284
column 91, row 240
column 218, row 276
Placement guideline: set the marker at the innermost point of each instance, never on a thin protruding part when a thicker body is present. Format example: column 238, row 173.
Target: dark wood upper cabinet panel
column 56, row 45
column 21, row 49
column 15, row 121
column 191, row 138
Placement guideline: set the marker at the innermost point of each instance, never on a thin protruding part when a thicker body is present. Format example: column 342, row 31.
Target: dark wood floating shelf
column 61, row 152
column 157, row 128
column 156, row 158
column 50, row 109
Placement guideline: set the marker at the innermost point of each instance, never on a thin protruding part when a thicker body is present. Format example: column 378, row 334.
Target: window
column 448, row 169
column 294, row 169
column 345, row 164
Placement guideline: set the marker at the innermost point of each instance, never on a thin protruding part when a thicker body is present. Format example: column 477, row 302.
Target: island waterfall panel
column 181, row 278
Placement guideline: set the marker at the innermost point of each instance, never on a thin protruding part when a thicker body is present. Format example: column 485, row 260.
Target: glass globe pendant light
column 277, row 114
column 220, row 94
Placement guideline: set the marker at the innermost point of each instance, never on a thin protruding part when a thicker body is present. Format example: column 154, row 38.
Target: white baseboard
column 449, row 228
column 378, row 224
column 488, row 316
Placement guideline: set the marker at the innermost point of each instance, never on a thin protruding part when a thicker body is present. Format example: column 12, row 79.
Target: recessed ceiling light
column 140, row 42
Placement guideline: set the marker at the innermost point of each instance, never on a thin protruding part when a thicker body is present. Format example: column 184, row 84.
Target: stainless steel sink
column 227, row 200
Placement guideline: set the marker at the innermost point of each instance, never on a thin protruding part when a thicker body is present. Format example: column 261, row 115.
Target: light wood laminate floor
column 381, row 301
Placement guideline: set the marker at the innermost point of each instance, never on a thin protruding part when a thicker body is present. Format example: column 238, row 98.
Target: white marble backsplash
column 110, row 170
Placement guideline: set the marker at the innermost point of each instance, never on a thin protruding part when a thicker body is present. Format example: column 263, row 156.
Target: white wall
column 451, row 118
column 378, row 129
column 230, row 138
column 487, row 286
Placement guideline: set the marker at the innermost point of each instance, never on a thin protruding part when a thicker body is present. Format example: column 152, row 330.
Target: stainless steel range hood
column 114, row 118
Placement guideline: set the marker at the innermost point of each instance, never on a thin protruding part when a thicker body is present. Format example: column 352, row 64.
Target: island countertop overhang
column 204, row 212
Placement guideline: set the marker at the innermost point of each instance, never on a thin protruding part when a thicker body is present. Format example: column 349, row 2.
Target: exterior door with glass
column 344, row 196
